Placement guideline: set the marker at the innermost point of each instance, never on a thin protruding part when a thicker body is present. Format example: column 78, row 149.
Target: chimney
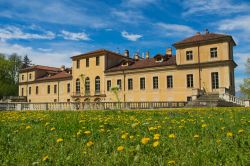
column 169, row 52
column 62, row 68
column 126, row 53
column 198, row 33
column 136, row 56
column 207, row 32
column 147, row 55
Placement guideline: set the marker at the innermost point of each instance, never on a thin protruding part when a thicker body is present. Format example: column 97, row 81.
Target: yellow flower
column 157, row 136
column 52, row 129
column 131, row 137
column 156, row 143
column 124, row 136
column 204, row 125
column 90, row 143
column 240, row 131
column 196, row 136
column 46, row 124
column 120, row 148
column 222, row 128
column 145, row 140
column 171, row 162
column 59, row 140
column 45, row 158
column 172, row 136
column 229, row 134
column 78, row 133
column 28, row 127
column 87, row 132
column 218, row 141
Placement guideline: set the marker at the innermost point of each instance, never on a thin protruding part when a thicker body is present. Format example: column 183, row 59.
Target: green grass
column 223, row 137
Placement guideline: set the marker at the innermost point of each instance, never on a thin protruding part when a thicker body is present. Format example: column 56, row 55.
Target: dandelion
column 59, row 140
column 131, row 137
column 46, row 124
column 78, row 133
column 90, row 143
column 124, row 136
column 204, row 125
column 172, row 136
column 156, row 136
column 52, row 129
column 218, row 141
column 196, row 136
column 240, row 131
column 229, row 134
column 120, row 148
column 222, row 128
column 145, row 140
column 87, row 132
column 28, row 127
column 156, row 143
column 45, row 158
column 171, row 162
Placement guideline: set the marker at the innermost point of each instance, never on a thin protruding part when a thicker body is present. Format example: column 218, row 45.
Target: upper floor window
column 119, row 84
column 55, row 88
column 215, row 80
column 68, row 87
column 190, row 82
column 155, row 82
column 48, row 89
column 36, row 89
column 213, row 52
column 22, row 77
column 97, row 61
column 108, row 85
column 142, row 83
column 78, row 86
column 189, row 55
column 170, row 81
column 77, row 63
column 30, row 76
column 130, row 84
column 87, row 85
column 87, row 62
column 29, row 90
column 97, row 84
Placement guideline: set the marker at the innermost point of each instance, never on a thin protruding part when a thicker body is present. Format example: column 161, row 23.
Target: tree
column 15, row 66
column 26, row 62
column 245, row 87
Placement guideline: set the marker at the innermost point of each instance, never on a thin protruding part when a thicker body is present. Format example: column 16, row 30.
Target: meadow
column 202, row 136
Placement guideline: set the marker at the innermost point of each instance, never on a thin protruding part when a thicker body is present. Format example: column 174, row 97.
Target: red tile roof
column 60, row 75
column 202, row 37
column 39, row 67
column 145, row 63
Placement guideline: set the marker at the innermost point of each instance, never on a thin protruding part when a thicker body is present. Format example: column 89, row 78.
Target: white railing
column 233, row 99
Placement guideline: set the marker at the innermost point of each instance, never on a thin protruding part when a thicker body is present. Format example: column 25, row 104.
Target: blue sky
column 50, row 32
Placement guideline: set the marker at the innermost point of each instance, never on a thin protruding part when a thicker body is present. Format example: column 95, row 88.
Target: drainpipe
column 124, row 88
column 58, row 91
column 199, row 65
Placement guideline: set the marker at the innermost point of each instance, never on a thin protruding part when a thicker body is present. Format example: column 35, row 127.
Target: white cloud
column 128, row 16
column 138, row 3
column 221, row 7
column 74, row 36
column 237, row 23
column 131, row 37
column 174, row 29
column 12, row 32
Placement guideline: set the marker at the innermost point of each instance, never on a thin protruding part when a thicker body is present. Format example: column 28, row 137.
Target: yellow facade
column 211, row 68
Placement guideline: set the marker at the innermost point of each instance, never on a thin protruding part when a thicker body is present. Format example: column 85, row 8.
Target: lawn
column 208, row 136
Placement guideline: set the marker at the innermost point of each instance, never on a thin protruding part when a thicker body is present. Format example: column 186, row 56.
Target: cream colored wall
column 222, row 53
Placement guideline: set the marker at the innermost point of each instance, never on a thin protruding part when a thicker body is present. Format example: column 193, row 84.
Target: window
column 36, row 89
column 30, row 76
column 68, row 100
column 97, row 61
column 68, row 87
column 189, row 55
column 130, row 84
column 55, row 100
column 55, row 89
column 169, row 81
column 119, row 84
column 78, row 86
column 97, row 84
column 30, row 90
column 190, row 83
column 87, row 62
column 48, row 90
column 87, row 86
column 108, row 85
column 22, row 92
column 213, row 52
column 215, row 80
column 77, row 63
column 142, row 83
column 155, row 82
column 22, row 77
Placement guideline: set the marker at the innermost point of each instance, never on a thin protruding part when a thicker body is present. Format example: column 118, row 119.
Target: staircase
column 215, row 100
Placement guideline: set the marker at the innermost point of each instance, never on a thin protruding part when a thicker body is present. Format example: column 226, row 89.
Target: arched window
column 97, row 84
column 87, row 86
column 78, row 86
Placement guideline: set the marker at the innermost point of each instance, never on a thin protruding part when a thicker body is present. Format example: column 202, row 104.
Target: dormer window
column 124, row 63
column 159, row 59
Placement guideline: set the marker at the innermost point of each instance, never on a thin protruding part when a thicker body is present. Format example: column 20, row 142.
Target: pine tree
column 26, row 62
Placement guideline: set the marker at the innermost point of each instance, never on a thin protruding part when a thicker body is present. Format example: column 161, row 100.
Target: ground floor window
column 108, row 85
column 155, row 82
column 190, row 81
column 142, row 83
column 215, row 80
column 130, row 84
column 169, row 81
